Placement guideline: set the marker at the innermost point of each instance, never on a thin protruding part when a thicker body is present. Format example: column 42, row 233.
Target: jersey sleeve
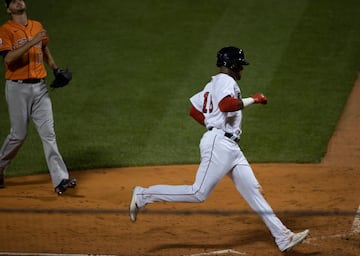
column 197, row 101
column 5, row 42
column 226, row 89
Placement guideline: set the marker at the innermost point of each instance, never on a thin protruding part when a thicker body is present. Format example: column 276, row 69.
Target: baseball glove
column 62, row 78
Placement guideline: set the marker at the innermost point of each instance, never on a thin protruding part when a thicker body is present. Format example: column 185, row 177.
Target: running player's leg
column 248, row 186
column 216, row 161
column 198, row 192
column 42, row 116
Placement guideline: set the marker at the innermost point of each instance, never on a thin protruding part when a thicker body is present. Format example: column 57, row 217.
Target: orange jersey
column 31, row 64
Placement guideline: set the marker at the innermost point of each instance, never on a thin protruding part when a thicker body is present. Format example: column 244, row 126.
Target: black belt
column 28, row 81
column 228, row 135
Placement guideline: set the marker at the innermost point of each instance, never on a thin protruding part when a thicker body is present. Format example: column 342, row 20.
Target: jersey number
column 208, row 104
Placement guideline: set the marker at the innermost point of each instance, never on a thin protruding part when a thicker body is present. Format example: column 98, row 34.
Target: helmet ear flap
column 224, row 60
column 220, row 60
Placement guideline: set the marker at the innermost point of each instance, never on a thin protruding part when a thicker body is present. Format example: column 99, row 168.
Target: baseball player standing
column 23, row 45
column 219, row 108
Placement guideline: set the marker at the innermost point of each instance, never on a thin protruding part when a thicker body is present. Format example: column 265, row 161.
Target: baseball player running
column 23, row 45
column 219, row 108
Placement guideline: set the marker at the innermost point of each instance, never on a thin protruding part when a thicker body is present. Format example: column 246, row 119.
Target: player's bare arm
column 17, row 53
column 49, row 58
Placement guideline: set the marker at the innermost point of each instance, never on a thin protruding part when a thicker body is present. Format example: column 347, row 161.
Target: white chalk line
column 356, row 223
column 48, row 254
column 59, row 254
column 227, row 251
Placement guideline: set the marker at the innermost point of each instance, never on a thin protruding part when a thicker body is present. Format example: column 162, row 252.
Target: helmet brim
column 244, row 62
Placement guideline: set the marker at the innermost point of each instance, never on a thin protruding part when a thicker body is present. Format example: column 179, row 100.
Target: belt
column 228, row 135
column 28, row 81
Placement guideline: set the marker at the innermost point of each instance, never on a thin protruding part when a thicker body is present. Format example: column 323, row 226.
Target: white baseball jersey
column 207, row 101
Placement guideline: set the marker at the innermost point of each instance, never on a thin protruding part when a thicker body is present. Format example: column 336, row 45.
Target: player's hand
column 42, row 35
column 259, row 98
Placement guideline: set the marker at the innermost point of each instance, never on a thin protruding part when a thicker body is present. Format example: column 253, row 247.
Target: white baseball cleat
column 133, row 209
column 296, row 239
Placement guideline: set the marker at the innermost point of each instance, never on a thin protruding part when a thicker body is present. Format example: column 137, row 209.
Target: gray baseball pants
column 25, row 102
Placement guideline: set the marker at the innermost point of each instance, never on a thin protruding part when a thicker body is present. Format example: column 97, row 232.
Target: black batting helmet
column 231, row 57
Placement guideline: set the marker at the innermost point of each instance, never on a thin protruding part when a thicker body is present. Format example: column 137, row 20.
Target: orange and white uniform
column 31, row 64
column 27, row 96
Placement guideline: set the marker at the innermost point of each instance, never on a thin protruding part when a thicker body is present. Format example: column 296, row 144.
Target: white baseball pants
column 220, row 156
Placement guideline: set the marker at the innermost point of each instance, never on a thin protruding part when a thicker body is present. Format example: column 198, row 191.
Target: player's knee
column 18, row 137
column 255, row 187
column 48, row 135
column 201, row 196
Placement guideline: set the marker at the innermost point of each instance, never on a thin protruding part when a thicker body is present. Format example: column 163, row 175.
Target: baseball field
column 123, row 121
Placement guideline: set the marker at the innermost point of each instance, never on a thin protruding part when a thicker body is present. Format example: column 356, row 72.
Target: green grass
column 136, row 64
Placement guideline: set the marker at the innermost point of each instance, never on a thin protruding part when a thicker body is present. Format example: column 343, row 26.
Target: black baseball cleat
column 65, row 184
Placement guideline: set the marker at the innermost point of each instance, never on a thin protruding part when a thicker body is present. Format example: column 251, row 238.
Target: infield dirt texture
column 93, row 218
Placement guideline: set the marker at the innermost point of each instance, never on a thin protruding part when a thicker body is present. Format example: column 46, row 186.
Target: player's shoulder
column 6, row 24
column 6, row 28
column 224, row 80
column 35, row 23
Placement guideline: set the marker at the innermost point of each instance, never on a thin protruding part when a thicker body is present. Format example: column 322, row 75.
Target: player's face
column 17, row 7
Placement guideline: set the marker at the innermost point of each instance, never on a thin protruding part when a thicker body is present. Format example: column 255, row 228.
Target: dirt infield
column 93, row 218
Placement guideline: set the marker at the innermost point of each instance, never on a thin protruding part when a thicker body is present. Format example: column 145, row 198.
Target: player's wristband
column 248, row 101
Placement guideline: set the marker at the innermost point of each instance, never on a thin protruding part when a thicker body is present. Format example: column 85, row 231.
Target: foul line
column 219, row 252
column 356, row 224
column 48, row 254
column 59, row 254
